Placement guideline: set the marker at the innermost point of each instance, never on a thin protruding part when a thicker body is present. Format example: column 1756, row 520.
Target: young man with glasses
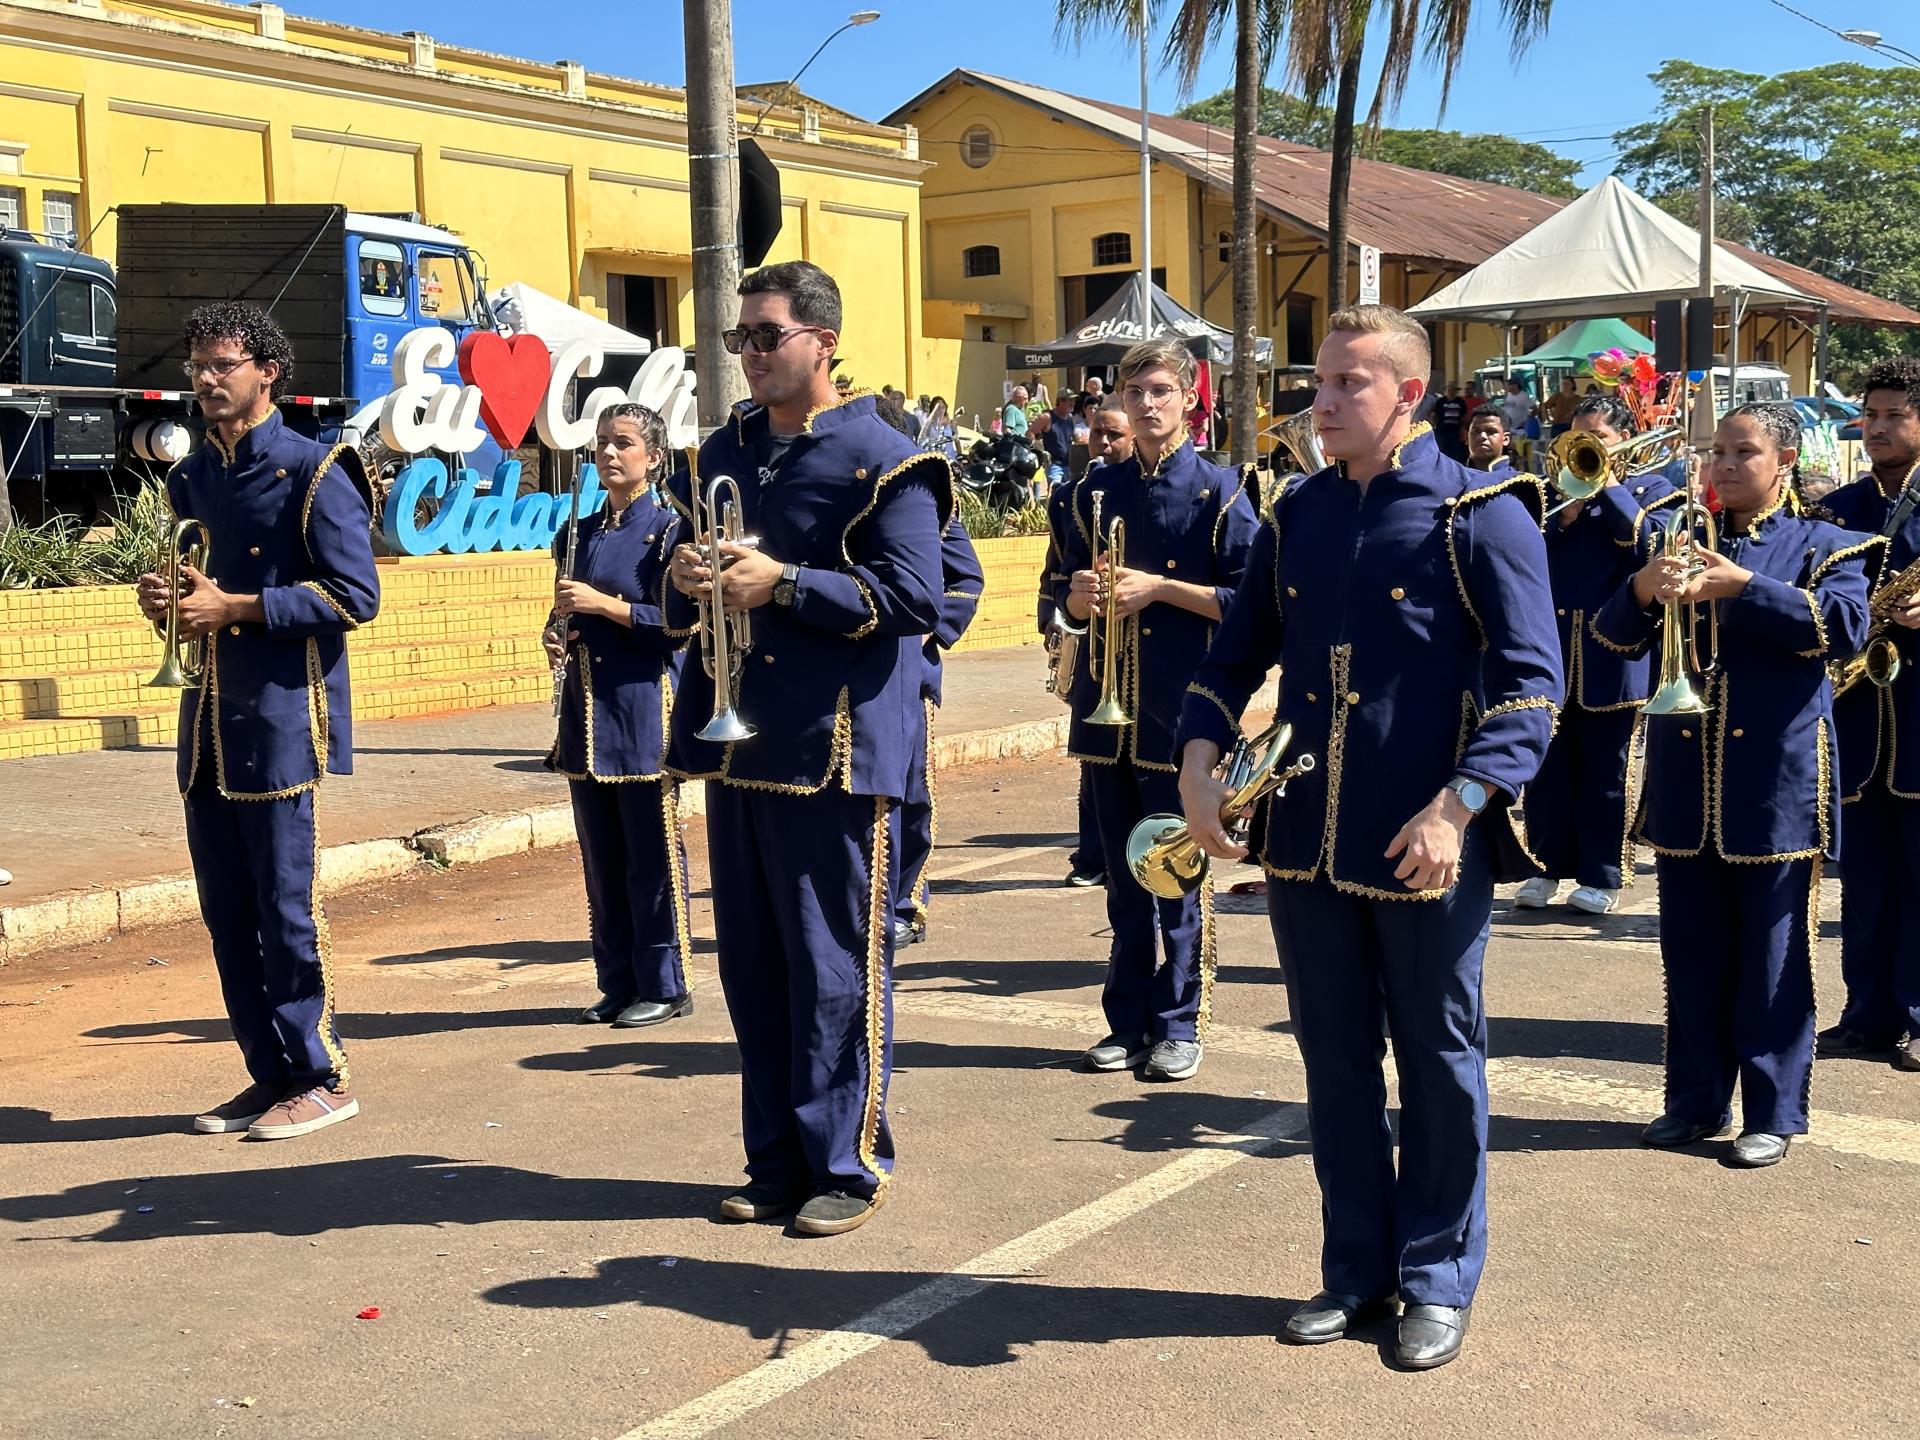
column 842, row 584
column 288, row 526
column 1188, row 525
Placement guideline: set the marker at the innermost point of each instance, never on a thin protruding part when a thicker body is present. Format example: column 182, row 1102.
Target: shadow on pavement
column 516, row 953
column 1026, row 977
column 1552, row 1038
column 396, row 1025
column 337, row 1195
column 990, row 1325
column 686, row 1059
column 22, row 1126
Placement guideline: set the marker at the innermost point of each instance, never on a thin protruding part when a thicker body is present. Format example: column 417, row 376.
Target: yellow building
column 572, row 181
column 1031, row 216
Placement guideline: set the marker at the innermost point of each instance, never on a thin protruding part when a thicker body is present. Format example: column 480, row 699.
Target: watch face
column 1473, row 795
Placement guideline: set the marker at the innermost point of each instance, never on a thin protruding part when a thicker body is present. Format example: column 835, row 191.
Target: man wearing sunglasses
column 842, row 583
column 288, row 521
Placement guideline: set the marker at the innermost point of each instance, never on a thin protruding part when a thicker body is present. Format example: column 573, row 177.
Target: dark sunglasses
column 765, row 339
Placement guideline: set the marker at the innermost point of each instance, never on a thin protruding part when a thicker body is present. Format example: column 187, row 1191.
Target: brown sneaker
column 238, row 1113
column 304, row 1111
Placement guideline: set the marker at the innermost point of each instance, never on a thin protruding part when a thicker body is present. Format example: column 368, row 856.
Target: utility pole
column 1246, row 283
column 1146, row 188
column 713, row 184
column 1704, row 415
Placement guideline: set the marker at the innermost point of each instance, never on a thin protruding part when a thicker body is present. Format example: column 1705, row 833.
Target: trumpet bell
column 175, row 674
column 1163, row 858
column 1109, row 712
column 727, row 727
column 1677, row 696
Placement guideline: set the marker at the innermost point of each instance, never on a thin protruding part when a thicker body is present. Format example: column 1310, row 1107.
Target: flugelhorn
column 183, row 663
column 1162, row 854
column 1580, row 464
column 1680, row 660
column 1111, row 628
column 725, row 635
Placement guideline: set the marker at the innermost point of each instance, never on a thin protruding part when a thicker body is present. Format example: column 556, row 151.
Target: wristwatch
column 783, row 587
column 1472, row 793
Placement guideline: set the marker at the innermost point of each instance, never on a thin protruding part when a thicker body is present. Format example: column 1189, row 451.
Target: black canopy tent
column 1118, row 325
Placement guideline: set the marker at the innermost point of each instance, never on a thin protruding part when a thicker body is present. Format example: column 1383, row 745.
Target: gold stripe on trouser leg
column 1209, row 958
column 933, row 830
column 676, row 877
column 1813, row 968
column 879, row 925
column 323, row 946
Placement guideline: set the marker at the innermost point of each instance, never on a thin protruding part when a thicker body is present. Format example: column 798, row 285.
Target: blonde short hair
column 1165, row 353
column 1406, row 344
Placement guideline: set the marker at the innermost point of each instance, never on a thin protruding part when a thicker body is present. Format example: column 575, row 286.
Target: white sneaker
column 1537, row 893
column 1594, row 900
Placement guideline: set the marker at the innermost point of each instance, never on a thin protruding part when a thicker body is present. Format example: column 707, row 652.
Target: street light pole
column 713, row 193
column 1871, row 40
column 859, row 17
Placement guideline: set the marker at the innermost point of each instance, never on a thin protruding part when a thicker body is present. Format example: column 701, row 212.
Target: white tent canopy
column 519, row 309
column 1607, row 251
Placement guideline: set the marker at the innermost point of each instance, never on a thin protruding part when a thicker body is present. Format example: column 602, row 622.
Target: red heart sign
column 511, row 376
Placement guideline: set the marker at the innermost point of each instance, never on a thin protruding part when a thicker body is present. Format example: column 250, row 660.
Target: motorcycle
column 998, row 470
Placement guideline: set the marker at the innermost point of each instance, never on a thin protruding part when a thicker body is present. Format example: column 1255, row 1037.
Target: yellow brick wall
column 1005, row 616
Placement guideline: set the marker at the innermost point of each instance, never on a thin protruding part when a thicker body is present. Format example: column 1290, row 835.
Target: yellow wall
column 178, row 101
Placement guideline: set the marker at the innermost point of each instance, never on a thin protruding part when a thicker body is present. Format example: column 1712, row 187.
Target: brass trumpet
column 725, row 635
column 183, row 663
column 1162, row 854
column 1680, row 660
column 1112, row 628
column 1580, row 465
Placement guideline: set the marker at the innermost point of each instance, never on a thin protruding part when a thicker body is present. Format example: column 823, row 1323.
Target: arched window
column 1226, row 247
column 978, row 260
column 1113, row 248
column 976, row 146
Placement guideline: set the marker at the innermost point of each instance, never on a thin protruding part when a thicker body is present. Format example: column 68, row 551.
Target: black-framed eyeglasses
column 765, row 339
column 218, row 369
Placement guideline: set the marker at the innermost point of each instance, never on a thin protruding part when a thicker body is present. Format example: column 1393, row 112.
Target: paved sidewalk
column 103, row 819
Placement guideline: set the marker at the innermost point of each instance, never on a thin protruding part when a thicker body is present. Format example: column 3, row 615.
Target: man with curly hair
column 288, row 526
column 1879, row 733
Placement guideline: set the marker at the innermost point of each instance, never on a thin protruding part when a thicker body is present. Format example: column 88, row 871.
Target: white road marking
column 1008, row 857
column 1875, row 1137
column 825, row 1353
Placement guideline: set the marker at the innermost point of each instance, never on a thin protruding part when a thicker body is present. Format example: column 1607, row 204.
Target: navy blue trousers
column 1577, row 805
column 1736, row 943
column 913, row 827
column 1144, row 996
column 1421, row 1233
column 253, row 863
column 1089, row 856
column 801, row 885
column 1879, row 953
column 636, row 870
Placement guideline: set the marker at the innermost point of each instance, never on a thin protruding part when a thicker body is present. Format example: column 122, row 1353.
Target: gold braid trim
column 965, row 594
column 1629, row 860
column 1846, row 553
column 1220, row 704
column 324, row 1030
column 1209, row 958
column 1525, row 702
column 1779, row 504
column 872, row 622
column 1820, row 644
column 1393, row 460
column 219, row 746
column 1165, row 455
column 229, row 456
column 677, row 878
column 1813, row 967
column 1226, row 504
column 1593, row 629
column 316, row 704
column 1339, row 663
column 879, row 934
column 806, row 425
column 933, row 830
column 1823, row 790
column 1535, row 493
column 317, row 588
column 839, row 761
column 1349, row 887
column 210, row 681
column 313, row 489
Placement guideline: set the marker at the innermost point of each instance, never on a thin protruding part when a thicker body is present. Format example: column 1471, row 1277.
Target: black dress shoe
column 1843, row 1042
column 1329, row 1315
column 762, row 1200
column 1670, row 1131
column 1430, row 1335
column 652, row 1012
column 906, row 933
column 1756, row 1151
column 603, row 1010
column 1081, row 878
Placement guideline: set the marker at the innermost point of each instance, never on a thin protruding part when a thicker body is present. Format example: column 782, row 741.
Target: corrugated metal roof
column 1440, row 220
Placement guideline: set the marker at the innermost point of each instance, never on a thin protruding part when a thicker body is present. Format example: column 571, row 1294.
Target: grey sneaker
column 1117, row 1052
column 834, row 1212
column 1173, row 1060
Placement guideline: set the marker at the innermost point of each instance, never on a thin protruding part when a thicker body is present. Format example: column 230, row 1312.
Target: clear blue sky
column 1574, row 89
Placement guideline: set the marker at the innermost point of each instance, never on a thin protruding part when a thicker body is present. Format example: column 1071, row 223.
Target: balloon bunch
column 1616, row 367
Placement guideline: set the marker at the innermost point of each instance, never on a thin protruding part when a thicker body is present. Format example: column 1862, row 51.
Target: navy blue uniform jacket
column 833, row 680
column 1754, row 778
column 1414, row 631
column 962, row 584
column 1588, row 560
column 289, row 520
column 620, row 679
column 1870, row 719
column 1190, row 520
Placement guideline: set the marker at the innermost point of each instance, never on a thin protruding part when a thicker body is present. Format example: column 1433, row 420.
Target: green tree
column 1820, row 167
column 1496, row 159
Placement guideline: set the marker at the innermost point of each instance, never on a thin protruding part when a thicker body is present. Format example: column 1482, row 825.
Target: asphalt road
column 528, row 1202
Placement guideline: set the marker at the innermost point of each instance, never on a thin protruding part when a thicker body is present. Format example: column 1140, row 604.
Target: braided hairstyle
column 1611, row 411
column 1782, row 424
column 653, row 433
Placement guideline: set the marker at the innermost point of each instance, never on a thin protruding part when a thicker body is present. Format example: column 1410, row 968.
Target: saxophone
column 1878, row 661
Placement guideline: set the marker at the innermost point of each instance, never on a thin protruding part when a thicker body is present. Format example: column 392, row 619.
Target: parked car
column 1843, row 413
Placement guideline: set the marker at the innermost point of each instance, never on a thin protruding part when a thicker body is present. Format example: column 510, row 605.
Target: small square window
column 1113, row 248
column 979, row 260
column 13, row 202
column 59, row 211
